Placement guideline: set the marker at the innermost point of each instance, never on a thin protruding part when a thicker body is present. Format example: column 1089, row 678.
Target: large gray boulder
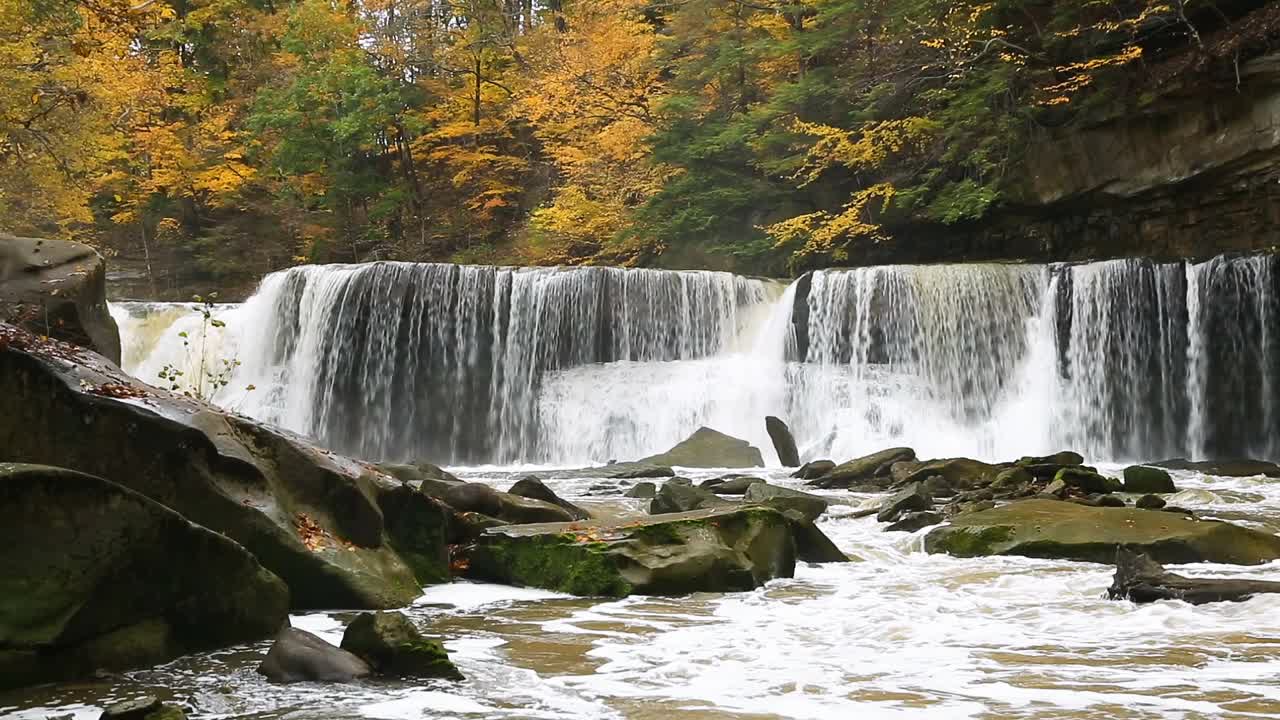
column 299, row 656
column 94, row 575
column 873, row 468
column 707, row 448
column 782, row 498
column 533, row 488
column 308, row 515
column 482, row 499
column 716, row 550
column 57, row 288
column 676, row 497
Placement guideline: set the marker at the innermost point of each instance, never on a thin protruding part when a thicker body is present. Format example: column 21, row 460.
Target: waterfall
column 1121, row 360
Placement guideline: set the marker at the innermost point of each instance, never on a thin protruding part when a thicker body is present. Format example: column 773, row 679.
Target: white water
column 1120, row 360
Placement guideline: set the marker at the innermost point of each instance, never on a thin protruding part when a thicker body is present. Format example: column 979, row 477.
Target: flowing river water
column 504, row 372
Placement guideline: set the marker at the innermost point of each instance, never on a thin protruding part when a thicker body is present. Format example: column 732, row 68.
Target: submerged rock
column 1069, row 531
column 1147, row 479
column 914, row 521
column 533, row 488
column 814, row 469
column 707, row 448
column 482, row 499
column 912, row 498
column 1143, row 580
column 308, row 515
column 781, row 498
column 391, row 645
column 715, row 550
column 783, row 441
column 147, row 707
column 1223, row 468
column 299, row 656
column 96, row 576
column 863, row 469
column 57, row 288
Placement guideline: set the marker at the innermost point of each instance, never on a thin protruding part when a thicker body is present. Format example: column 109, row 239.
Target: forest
column 784, row 134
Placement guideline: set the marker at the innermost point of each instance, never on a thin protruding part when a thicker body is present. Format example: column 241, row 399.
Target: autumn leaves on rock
column 233, row 133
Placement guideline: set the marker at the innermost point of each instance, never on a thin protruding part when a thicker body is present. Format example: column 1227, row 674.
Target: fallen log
column 1142, row 580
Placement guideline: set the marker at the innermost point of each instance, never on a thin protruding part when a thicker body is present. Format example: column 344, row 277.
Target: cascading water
column 1125, row 359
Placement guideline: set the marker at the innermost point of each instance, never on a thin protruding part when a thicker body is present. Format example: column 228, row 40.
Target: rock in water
column 717, row 550
column 1087, row 480
column 812, row 545
column 1143, row 580
column 868, row 467
column 147, row 707
column 644, row 490
column 418, row 527
column 299, row 656
column 814, row 469
column 1150, row 502
column 390, row 644
column 57, row 288
column 912, row 498
column 94, row 575
column 533, row 488
column 308, row 515
column 783, row 441
column 911, row 522
column 781, row 498
column 676, row 497
column 707, row 448
column 1068, row 531
column 731, row 485
column 1146, row 479
column 1223, row 468
column 480, row 498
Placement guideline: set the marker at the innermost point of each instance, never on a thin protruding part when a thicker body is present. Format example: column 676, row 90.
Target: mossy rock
column 863, row 469
column 707, row 448
column 714, row 550
column 1069, row 531
column 1146, row 479
column 308, row 515
column 1087, row 480
column 390, row 643
column 94, row 575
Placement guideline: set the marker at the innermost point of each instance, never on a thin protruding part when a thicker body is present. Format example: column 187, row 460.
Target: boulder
column 146, row 707
column 391, row 645
column 644, row 490
column 676, row 497
column 731, row 485
column 57, row 289
column 425, row 477
column 912, row 498
column 1150, row 502
column 1087, row 480
column 863, row 469
column 707, row 448
column 914, row 521
column 1146, row 479
column 308, row 515
column 482, row 499
column 957, row 473
column 814, row 469
column 418, row 528
column 783, row 499
column 96, row 576
column 714, row 550
column 1069, row 531
column 1061, row 459
column 1223, row 468
column 615, row 471
column 299, row 656
column 533, row 488
column 1143, row 580
column 812, row 545
column 1012, row 479
column 783, row 441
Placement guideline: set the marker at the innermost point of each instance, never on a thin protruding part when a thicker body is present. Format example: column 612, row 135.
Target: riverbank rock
column 299, row 656
column 716, row 550
column 675, row 497
column 783, row 499
column 391, row 645
column 482, row 499
column 308, row 515
column 425, row 477
column 784, row 443
column 642, row 490
column 912, row 498
column 1146, row 479
column 94, row 575
column 147, row 707
column 707, row 448
column 1069, row 531
column 419, row 528
column 1143, row 580
column 57, row 288
column 873, row 469
column 533, row 488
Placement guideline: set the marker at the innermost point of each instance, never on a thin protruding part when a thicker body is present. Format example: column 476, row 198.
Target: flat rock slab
column 714, row 550
column 1069, row 531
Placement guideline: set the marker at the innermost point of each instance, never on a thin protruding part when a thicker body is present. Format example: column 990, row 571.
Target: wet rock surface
column 1143, row 580
column 707, row 448
column 299, row 656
